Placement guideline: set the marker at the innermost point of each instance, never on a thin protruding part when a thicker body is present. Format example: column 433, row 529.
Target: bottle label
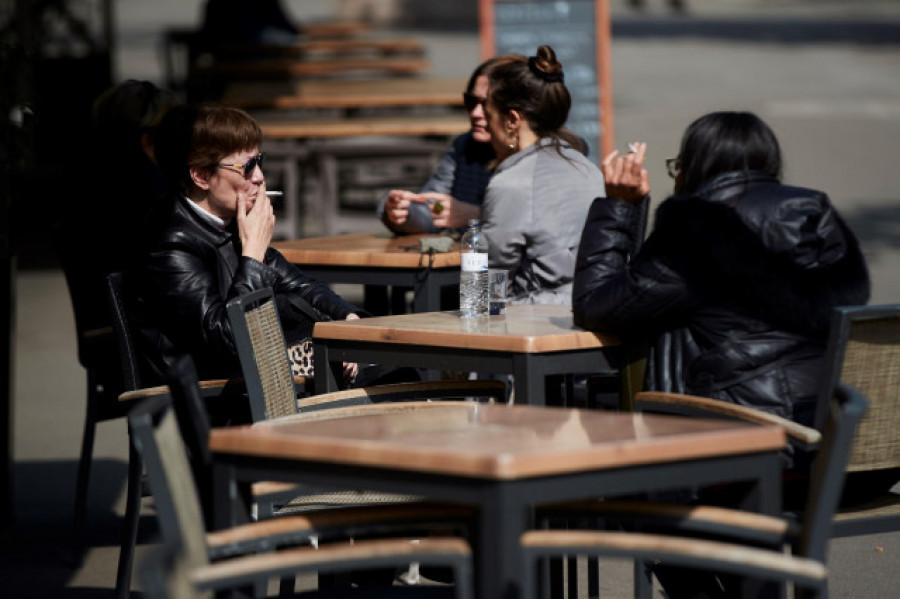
column 473, row 261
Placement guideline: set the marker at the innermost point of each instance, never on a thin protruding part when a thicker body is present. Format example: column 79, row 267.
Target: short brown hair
column 200, row 137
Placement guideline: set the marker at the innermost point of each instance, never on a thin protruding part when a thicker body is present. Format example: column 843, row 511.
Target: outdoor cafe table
column 377, row 259
column 529, row 341
column 347, row 94
column 501, row 459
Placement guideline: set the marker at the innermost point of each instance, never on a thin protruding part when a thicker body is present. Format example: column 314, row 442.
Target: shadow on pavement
column 36, row 552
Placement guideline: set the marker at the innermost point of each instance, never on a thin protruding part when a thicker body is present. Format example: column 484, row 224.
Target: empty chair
column 804, row 566
column 132, row 392
column 221, row 560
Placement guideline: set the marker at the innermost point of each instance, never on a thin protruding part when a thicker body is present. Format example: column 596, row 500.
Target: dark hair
column 200, row 137
column 485, row 67
column 720, row 142
column 535, row 88
column 125, row 112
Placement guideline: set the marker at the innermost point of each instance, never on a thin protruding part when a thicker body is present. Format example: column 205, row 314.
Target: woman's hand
column 625, row 176
column 351, row 369
column 396, row 209
column 256, row 223
column 446, row 211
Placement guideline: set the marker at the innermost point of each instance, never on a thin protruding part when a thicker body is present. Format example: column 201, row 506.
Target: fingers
column 351, row 369
column 625, row 175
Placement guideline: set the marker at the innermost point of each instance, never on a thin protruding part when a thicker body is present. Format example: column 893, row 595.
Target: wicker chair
column 805, row 566
column 245, row 555
column 266, row 368
column 132, row 392
column 863, row 351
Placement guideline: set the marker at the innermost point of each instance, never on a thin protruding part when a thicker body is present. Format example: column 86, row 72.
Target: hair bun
column 545, row 66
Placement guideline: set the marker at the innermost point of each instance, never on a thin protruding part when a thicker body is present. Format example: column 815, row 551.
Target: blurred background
column 825, row 74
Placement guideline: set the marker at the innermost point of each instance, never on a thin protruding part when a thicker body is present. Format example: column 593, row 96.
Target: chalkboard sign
column 578, row 31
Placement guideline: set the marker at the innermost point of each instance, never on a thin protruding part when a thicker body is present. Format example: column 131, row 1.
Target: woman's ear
column 513, row 120
column 200, row 176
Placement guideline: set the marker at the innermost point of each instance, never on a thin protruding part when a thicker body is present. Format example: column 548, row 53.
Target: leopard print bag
column 301, row 355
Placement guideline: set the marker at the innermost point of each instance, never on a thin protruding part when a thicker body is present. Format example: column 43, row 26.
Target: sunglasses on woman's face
column 470, row 101
column 248, row 167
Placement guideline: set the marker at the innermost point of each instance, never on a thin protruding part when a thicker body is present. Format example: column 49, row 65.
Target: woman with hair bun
column 542, row 187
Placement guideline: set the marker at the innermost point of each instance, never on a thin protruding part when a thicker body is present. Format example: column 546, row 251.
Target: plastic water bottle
column 473, row 275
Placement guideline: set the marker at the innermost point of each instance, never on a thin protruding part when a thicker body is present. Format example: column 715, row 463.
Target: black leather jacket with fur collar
column 177, row 294
column 733, row 288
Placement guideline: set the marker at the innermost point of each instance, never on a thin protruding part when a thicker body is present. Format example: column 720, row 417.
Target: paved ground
column 825, row 74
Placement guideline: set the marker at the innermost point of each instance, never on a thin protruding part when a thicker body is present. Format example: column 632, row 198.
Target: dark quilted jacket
column 733, row 289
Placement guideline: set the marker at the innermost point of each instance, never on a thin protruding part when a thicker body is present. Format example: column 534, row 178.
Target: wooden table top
column 332, row 46
column 534, row 328
column 300, row 66
column 404, row 126
column 492, row 441
column 355, row 93
column 364, row 250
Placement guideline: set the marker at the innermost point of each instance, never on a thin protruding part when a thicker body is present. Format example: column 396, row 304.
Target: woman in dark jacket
column 210, row 243
column 735, row 285
column 453, row 193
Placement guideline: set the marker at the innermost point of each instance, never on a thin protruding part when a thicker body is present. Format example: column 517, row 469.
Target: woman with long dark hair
column 735, row 285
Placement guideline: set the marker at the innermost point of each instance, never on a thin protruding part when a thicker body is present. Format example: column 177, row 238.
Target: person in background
column 540, row 191
column 209, row 243
column 230, row 22
column 95, row 235
column 455, row 190
column 733, row 288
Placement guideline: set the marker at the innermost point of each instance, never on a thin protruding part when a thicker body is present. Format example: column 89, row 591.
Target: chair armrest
column 697, row 553
column 692, row 405
column 338, row 523
column 363, row 554
column 707, row 521
column 404, row 392
column 208, row 388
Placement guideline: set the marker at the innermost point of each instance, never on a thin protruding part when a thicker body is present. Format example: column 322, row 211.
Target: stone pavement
column 824, row 73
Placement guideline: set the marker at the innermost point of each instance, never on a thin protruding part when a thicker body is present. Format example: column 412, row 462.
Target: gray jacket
column 533, row 213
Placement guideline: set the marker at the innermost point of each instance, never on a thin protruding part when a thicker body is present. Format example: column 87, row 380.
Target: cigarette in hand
column 632, row 149
column 274, row 194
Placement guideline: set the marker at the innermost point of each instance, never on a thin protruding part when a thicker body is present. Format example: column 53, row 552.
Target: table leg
column 529, row 382
column 764, row 496
column 231, row 505
column 498, row 560
column 428, row 298
column 327, row 374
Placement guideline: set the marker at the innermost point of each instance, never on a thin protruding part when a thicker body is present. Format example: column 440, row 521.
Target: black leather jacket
column 176, row 295
column 733, row 289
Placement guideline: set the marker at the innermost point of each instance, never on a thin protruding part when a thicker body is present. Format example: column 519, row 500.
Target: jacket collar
column 728, row 184
column 206, row 228
column 540, row 144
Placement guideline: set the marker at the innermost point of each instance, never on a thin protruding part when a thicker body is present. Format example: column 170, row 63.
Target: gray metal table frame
column 506, row 507
column 529, row 369
column 428, row 299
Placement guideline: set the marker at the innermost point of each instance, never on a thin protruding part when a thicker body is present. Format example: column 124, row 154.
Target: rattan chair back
column 864, row 351
column 263, row 354
column 157, row 438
